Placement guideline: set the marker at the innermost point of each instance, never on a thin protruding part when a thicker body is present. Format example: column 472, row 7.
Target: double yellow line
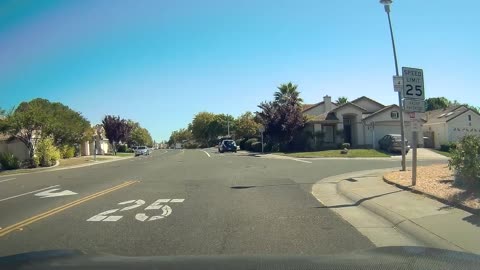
column 59, row 209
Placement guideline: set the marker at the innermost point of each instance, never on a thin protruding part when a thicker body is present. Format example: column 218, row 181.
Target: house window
column 395, row 115
column 469, row 117
column 328, row 131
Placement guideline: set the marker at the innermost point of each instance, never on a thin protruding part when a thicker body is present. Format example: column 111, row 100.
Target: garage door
column 382, row 129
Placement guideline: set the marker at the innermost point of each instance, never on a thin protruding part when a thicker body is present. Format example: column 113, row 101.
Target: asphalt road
column 179, row 202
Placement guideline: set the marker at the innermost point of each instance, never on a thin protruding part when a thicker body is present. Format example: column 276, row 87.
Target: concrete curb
column 53, row 168
column 405, row 225
column 453, row 204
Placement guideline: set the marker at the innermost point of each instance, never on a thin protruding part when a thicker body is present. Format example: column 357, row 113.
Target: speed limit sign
column 413, row 87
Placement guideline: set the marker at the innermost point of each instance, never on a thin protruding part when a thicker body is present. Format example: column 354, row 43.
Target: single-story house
column 361, row 122
column 450, row 125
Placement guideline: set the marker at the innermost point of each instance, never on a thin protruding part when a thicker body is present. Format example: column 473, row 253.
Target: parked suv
column 392, row 143
column 142, row 150
column 227, row 146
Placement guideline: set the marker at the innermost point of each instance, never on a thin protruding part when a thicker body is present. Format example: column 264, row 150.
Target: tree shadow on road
column 473, row 219
column 357, row 203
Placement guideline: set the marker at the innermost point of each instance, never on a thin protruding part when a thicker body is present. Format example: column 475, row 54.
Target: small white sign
column 414, row 105
column 261, row 129
column 413, row 87
column 397, row 83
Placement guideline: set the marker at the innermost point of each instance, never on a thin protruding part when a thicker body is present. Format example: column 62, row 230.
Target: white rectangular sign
column 413, row 87
column 414, row 105
column 397, row 83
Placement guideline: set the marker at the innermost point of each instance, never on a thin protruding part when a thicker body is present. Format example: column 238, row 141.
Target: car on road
column 393, row 143
column 142, row 151
column 227, row 146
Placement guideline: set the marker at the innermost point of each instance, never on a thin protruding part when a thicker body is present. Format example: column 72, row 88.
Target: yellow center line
column 59, row 209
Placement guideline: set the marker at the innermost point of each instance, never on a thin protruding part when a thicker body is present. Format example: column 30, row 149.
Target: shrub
column 9, row 161
column 47, row 153
column 30, row 162
column 67, row 151
column 344, row 145
column 256, row 147
column 448, row 147
column 466, row 159
column 190, row 145
column 445, row 147
column 249, row 142
column 122, row 148
column 241, row 143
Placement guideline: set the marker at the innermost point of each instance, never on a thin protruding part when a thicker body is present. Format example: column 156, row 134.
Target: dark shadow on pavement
column 357, row 203
column 473, row 219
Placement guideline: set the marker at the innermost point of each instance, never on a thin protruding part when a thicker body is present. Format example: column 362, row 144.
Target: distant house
column 361, row 122
column 98, row 145
column 450, row 125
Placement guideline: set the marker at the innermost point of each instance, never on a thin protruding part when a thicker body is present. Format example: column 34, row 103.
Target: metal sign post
column 414, row 94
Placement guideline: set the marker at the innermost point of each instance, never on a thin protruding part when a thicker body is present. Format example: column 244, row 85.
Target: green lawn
column 447, row 154
column 336, row 153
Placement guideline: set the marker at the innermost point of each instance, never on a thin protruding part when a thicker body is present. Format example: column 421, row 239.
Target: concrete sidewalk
column 390, row 216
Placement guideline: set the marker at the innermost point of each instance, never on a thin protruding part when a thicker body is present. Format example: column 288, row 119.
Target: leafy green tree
column 201, row 127
column 141, row 136
column 436, row 103
column 41, row 118
column 341, row 100
column 180, row 135
column 246, row 126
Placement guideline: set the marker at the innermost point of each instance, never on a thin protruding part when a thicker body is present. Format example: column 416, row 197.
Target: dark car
column 227, row 146
column 392, row 143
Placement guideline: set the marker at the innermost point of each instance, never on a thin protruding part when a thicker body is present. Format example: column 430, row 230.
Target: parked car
column 392, row 143
column 227, row 146
column 142, row 151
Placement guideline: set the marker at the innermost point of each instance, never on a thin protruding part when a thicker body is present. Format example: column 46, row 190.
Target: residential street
column 180, row 202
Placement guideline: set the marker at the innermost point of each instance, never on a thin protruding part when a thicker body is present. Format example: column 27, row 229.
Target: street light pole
column 387, row 4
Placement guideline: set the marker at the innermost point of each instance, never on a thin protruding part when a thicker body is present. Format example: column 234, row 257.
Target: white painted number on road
column 51, row 193
column 158, row 204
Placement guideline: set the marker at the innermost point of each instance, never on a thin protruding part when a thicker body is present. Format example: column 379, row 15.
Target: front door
column 347, row 129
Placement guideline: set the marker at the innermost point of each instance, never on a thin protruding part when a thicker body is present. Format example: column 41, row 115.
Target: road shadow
column 473, row 219
column 357, row 203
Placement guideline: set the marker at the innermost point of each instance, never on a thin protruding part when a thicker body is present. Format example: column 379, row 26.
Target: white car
column 142, row 151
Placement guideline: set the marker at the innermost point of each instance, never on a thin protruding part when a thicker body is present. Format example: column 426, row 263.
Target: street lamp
column 386, row 4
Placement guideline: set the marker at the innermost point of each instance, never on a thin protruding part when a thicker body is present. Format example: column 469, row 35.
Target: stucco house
column 361, row 122
column 10, row 144
column 450, row 125
column 99, row 145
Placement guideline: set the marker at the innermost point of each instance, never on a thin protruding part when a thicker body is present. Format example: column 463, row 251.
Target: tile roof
column 307, row 107
column 349, row 103
column 444, row 115
column 382, row 110
column 367, row 98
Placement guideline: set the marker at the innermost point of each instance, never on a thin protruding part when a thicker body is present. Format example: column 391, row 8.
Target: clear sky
column 159, row 62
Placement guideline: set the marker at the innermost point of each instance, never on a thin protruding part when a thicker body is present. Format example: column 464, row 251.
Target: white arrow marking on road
column 51, row 193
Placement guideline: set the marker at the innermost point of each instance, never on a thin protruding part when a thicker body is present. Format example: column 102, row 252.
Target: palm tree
column 287, row 92
column 341, row 100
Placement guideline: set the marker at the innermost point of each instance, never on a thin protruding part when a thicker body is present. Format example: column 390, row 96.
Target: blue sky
column 160, row 62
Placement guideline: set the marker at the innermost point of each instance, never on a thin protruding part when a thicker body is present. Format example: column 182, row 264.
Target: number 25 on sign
column 413, row 86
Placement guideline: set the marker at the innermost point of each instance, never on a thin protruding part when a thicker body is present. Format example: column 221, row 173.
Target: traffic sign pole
column 414, row 93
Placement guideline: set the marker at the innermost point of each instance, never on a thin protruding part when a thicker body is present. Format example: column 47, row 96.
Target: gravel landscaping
column 438, row 181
